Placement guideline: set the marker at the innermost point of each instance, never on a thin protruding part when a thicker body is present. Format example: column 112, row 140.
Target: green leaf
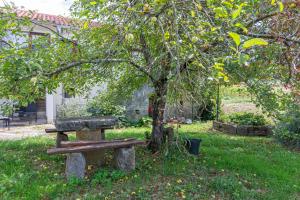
column 220, row 12
column 236, row 13
column 281, row 6
column 93, row 3
column 228, row 4
column 199, row 6
column 255, row 42
column 233, row 48
column 236, row 38
column 226, row 79
column 219, row 66
column 193, row 13
column 167, row 35
column 273, row 2
column 86, row 25
column 245, row 30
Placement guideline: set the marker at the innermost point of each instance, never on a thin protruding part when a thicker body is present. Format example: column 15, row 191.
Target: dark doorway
column 32, row 113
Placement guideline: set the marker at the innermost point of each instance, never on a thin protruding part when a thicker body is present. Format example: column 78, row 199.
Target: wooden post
column 218, row 103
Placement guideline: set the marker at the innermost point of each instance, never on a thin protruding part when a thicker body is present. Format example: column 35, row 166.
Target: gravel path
column 17, row 133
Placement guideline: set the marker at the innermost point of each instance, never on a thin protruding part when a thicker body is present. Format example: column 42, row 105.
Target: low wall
column 242, row 129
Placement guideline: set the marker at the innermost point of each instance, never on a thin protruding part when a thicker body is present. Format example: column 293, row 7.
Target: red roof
column 57, row 20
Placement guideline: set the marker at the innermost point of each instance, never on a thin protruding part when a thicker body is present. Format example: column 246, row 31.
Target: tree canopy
column 181, row 48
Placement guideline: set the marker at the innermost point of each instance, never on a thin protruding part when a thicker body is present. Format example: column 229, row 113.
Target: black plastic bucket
column 193, row 145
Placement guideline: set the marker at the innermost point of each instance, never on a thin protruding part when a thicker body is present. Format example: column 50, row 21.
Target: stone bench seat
column 62, row 135
column 76, row 163
column 85, row 146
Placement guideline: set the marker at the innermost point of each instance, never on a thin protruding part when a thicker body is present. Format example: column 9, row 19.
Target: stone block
column 259, row 131
column 75, row 165
column 229, row 128
column 125, row 158
column 217, row 125
column 95, row 157
column 90, row 135
column 242, row 130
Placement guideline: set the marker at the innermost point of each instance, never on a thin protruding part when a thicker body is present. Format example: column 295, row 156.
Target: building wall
column 137, row 107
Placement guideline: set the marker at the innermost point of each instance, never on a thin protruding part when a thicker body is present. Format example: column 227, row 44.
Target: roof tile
column 57, row 20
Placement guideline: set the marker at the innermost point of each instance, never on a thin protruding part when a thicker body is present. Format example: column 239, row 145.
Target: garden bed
column 244, row 130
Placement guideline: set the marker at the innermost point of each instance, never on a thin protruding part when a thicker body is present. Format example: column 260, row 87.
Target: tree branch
column 267, row 36
column 3, row 41
column 97, row 61
column 145, row 49
column 142, row 69
column 252, row 22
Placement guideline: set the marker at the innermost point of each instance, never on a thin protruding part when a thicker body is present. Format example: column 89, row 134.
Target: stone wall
column 137, row 107
column 242, row 129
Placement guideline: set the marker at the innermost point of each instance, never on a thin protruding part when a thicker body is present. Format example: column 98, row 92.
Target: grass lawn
column 229, row 167
column 236, row 99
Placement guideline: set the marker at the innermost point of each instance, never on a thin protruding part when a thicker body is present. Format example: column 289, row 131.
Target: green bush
column 209, row 111
column 143, row 122
column 72, row 108
column 247, row 119
column 287, row 130
column 102, row 106
column 6, row 109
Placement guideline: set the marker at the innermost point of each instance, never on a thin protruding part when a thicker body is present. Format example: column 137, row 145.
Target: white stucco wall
column 50, row 108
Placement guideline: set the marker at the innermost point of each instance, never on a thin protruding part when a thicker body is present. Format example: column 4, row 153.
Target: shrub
column 143, row 122
column 6, row 108
column 287, row 130
column 209, row 111
column 247, row 119
column 102, row 106
column 72, row 108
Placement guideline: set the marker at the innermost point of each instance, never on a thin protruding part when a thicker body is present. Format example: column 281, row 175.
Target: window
column 68, row 94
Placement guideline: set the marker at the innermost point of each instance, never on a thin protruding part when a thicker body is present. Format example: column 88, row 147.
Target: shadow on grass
column 229, row 167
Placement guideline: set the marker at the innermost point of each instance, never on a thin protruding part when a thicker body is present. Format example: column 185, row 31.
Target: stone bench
column 76, row 163
column 62, row 135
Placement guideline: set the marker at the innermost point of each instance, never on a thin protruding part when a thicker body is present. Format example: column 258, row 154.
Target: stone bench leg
column 61, row 136
column 75, row 165
column 95, row 157
column 125, row 158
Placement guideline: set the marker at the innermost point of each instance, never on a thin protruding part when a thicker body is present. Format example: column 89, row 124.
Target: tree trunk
column 159, row 103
